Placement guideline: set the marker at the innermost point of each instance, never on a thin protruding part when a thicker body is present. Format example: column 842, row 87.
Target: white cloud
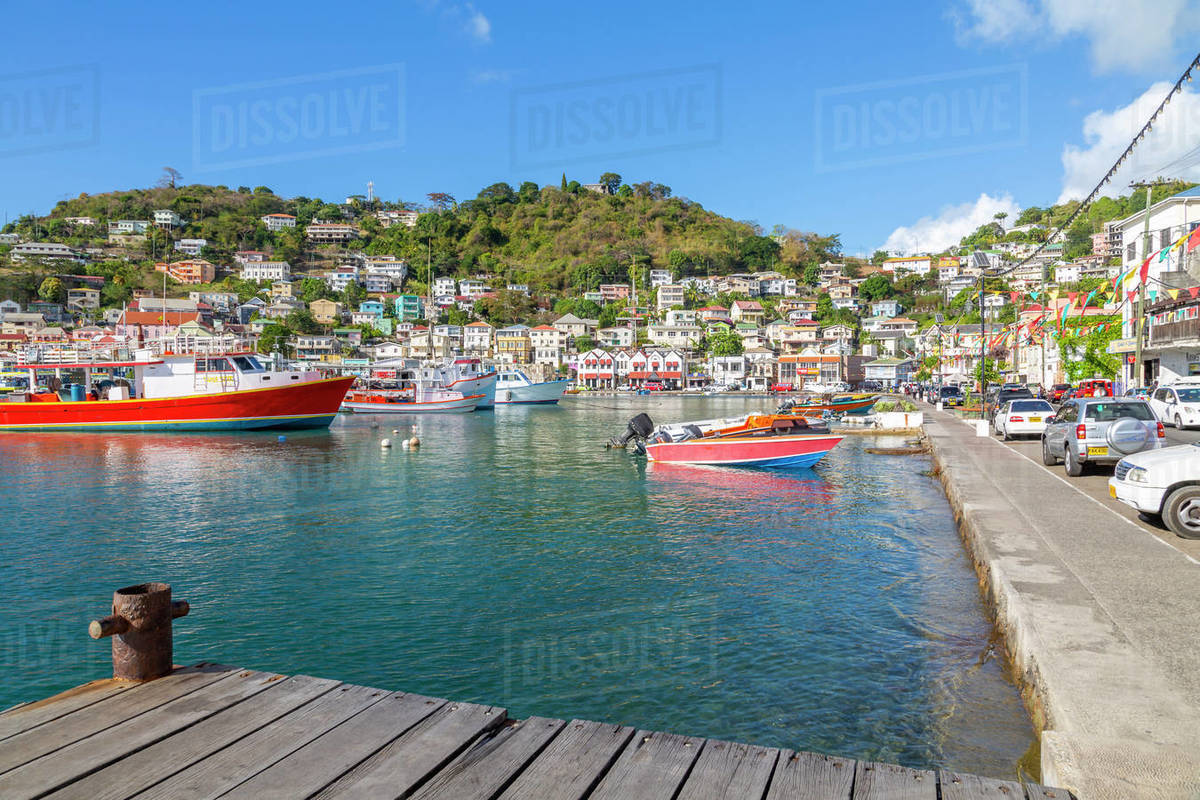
column 1122, row 35
column 478, row 25
column 934, row 234
column 1106, row 134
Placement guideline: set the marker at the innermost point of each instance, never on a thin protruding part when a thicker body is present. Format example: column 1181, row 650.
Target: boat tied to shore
column 201, row 391
column 780, row 440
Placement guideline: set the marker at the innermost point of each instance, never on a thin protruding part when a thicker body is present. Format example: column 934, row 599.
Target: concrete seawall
column 1101, row 620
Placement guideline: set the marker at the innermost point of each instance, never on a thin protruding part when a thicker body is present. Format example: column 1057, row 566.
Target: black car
column 995, row 401
column 951, row 396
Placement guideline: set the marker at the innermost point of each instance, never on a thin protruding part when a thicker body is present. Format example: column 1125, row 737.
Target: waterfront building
column 597, row 370
column 513, row 345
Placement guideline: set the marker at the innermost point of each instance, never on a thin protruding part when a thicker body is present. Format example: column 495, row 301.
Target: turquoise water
column 512, row 560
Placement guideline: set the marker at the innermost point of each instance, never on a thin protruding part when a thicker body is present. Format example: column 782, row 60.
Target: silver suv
column 1099, row 430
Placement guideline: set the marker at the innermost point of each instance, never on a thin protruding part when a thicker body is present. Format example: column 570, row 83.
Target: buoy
column 385, row 442
column 281, row 439
column 414, row 428
column 404, row 444
column 395, row 431
column 414, row 442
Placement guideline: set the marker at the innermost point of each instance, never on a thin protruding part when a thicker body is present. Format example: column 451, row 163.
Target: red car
column 782, row 387
column 654, row 387
column 1058, row 392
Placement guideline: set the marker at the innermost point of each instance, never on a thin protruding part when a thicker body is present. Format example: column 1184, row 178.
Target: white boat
column 470, row 376
column 402, row 401
column 514, row 387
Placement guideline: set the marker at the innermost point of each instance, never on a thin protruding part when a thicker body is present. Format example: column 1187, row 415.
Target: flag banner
column 1089, row 298
column 1193, row 240
column 1145, row 271
column 1174, row 293
column 1071, row 297
column 1153, row 295
column 1195, row 290
column 1012, row 296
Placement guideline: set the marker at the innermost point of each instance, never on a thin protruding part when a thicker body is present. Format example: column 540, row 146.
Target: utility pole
column 982, row 352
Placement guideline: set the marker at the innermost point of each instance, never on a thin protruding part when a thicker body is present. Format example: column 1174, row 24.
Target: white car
column 1178, row 404
column 1163, row 482
column 1022, row 418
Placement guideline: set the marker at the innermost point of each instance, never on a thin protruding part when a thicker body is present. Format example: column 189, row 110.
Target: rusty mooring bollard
column 141, row 629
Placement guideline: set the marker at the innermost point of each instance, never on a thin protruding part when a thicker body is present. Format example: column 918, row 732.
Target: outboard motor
column 640, row 427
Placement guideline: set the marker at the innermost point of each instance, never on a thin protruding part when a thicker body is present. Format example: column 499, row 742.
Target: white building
column 266, row 271
column 659, row 277
column 670, row 295
column 166, row 218
column 377, row 283
column 330, row 232
column 52, row 250
column 390, row 218
column 127, row 226
column 907, row 265
column 478, row 338
column 445, row 286
column 617, row 336
column 277, row 222
column 191, row 246
column 683, row 336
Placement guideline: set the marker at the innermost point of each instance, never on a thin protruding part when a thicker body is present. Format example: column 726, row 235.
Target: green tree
column 353, row 294
column 876, row 287
column 52, row 290
column 1084, row 351
column 274, row 337
column 301, row 321
column 879, row 256
column 583, row 343
column 312, row 289
column 612, row 181
column 726, row 343
column 812, row 274
column 992, row 372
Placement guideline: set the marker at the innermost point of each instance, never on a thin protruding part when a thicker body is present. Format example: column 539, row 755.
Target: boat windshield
column 248, row 364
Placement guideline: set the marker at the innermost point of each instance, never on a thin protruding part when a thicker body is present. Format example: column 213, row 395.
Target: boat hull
column 312, row 404
column 854, row 406
column 533, row 393
column 463, row 405
column 789, row 452
column 484, row 385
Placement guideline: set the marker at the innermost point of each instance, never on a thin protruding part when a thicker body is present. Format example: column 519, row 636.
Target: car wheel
column 1182, row 512
column 1071, row 462
column 1047, row 457
column 1178, row 423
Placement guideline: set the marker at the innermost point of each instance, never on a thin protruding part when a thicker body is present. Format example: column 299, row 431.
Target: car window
column 1188, row 395
column 1111, row 411
column 1030, row 405
column 1068, row 413
column 1161, row 394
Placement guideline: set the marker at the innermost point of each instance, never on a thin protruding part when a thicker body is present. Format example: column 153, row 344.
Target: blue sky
column 777, row 112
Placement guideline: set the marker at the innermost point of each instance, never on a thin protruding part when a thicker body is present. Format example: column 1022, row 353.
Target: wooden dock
column 213, row 731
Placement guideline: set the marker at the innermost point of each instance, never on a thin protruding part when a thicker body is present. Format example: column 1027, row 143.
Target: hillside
column 552, row 238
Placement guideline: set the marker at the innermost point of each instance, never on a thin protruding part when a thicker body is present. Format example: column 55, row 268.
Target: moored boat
column 470, row 376
column 401, row 401
column 767, row 440
column 854, row 404
column 513, row 386
column 197, row 392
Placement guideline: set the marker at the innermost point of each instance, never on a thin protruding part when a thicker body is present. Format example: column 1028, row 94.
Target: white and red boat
column 413, row 400
column 767, row 440
column 174, row 392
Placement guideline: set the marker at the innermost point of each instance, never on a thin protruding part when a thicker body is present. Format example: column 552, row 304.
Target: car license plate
column 1112, row 492
column 1035, row 419
column 1097, row 451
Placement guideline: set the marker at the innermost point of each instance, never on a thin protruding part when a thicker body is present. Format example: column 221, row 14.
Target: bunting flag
column 1193, row 240
column 1012, row 296
column 1071, row 297
column 1153, row 295
column 1034, row 295
column 1180, row 242
column 1174, row 293
column 1120, row 279
column 1066, row 313
column 1166, row 251
column 1132, row 293
column 1089, row 298
column 1195, row 289
column 1145, row 270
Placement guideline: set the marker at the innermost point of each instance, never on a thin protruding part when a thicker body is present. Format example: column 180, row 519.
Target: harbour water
column 512, row 560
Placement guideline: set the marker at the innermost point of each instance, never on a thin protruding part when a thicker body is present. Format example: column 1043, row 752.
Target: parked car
column 1058, row 391
column 1003, row 395
column 1022, row 418
column 1099, row 430
column 781, row 387
column 1144, row 392
column 951, row 396
column 1094, row 387
column 1164, row 483
column 1178, row 404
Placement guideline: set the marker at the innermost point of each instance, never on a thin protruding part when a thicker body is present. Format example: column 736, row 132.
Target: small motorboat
column 853, row 404
column 399, row 401
column 762, row 440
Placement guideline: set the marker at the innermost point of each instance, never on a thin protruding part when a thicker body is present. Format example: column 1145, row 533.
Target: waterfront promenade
column 1099, row 616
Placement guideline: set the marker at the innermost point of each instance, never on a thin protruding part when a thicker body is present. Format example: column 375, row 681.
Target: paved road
column 1094, row 484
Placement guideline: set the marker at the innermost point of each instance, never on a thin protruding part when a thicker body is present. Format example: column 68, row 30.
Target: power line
column 1186, row 77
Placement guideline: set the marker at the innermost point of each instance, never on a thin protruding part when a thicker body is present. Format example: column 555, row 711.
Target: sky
column 895, row 125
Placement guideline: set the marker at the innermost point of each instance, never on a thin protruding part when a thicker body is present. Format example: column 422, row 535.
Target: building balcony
column 1172, row 333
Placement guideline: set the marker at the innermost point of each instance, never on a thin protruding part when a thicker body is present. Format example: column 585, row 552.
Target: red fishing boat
column 227, row 391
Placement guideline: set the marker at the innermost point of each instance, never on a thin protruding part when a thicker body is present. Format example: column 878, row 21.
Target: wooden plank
column 29, row 715
column 652, row 765
column 322, row 761
column 956, row 786
column 489, row 765
column 811, row 776
column 39, row 741
column 77, row 759
column 243, row 760
column 730, row 771
column 572, row 764
column 410, row 760
column 159, row 761
column 875, row 781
